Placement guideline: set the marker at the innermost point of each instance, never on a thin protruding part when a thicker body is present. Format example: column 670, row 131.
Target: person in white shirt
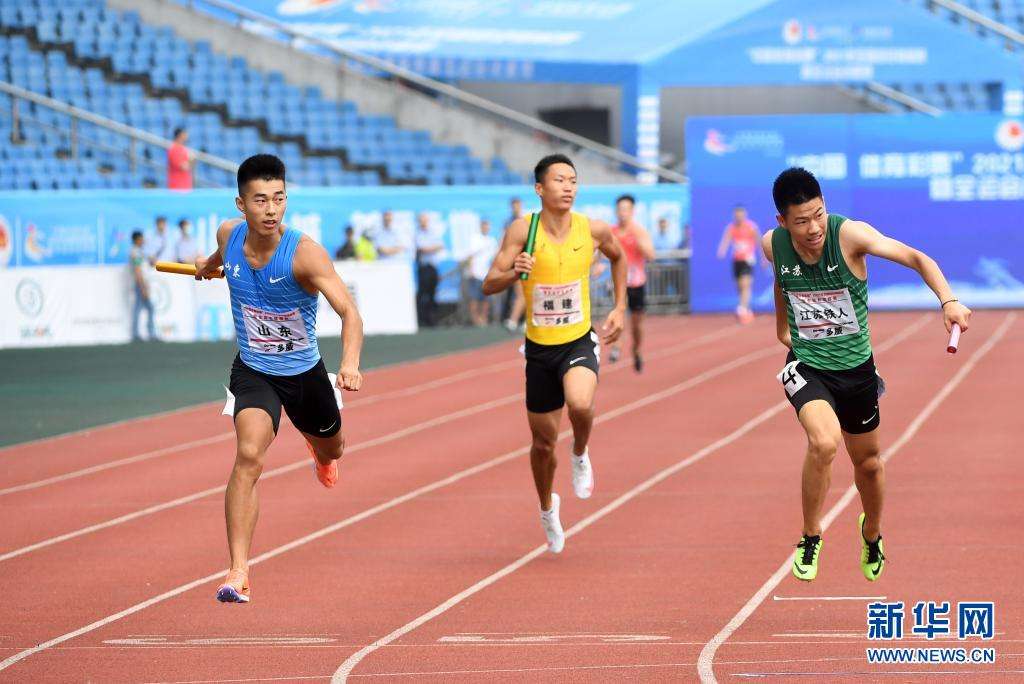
column 429, row 252
column 482, row 248
column 389, row 243
column 161, row 246
column 186, row 250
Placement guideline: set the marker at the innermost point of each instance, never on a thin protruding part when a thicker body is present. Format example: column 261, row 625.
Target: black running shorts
column 853, row 394
column 546, row 364
column 307, row 398
column 636, row 298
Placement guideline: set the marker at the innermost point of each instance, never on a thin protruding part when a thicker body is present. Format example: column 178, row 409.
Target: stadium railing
column 133, row 136
column 268, row 27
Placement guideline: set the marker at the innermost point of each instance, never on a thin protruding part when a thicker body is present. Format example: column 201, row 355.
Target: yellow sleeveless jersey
column 558, row 289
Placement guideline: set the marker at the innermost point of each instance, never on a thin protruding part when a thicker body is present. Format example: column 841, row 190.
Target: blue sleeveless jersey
column 275, row 319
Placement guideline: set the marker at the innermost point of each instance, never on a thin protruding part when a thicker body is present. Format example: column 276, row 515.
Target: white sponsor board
column 76, row 305
column 67, row 305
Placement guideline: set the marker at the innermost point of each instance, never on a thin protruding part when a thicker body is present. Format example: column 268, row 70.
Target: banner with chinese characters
column 39, row 229
column 951, row 186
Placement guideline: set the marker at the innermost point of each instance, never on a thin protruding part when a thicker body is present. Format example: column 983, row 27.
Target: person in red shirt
column 639, row 249
column 179, row 162
column 744, row 236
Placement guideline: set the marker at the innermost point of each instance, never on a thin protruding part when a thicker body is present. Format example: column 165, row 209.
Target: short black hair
column 259, row 167
column 547, row 162
column 626, row 198
column 136, row 234
column 182, row 221
column 795, row 185
column 178, row 131
column 161, row 219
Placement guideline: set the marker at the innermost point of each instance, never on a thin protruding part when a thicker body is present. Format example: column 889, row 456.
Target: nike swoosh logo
column 865, row 422
column 328, row 427
column 876, row 570
column 799, row 571
column 831, row 268
column 582, row 358
column 277, row 280
column 576, row 249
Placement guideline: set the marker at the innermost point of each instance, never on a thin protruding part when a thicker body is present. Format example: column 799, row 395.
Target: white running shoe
column 582, row 475
column 553, row 526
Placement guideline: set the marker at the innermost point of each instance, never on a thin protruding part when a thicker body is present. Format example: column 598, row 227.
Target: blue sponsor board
column 87, row 227
column 952, row 186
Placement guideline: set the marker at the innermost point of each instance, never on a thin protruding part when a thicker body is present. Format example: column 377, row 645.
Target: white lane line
column 705, row 663
column 370, row 512
column 304, row 463
column 345, row 669
column 829, row 598
column 156, row 453
column 354, row 403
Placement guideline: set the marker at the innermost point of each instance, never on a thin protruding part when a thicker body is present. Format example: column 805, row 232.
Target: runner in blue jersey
column 275, row 276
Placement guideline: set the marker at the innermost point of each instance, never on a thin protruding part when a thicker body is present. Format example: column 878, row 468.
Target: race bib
column 824, row 313
column 791, row 379
column 557, row 305
column 274, row 332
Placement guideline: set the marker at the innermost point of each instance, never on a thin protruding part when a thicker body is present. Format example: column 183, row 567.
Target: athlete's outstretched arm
column 781, row 320
column 313, row 270
column 206, row 267
column 610, row 247
column 864, row 239
column 510, row 260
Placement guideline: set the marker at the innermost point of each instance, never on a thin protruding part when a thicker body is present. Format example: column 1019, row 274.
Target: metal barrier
column 667, row 290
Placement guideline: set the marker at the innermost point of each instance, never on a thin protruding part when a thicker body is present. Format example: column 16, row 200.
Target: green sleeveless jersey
column 826, row 303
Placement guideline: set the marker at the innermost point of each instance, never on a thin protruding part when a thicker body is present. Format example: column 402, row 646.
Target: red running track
column 425, row 564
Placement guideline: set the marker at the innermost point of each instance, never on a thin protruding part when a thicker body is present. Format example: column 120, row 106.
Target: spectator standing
column 365, row 251
column 482, row 248
column 162, row 247
column 389, row 244
column 429, row 249
column 663, row 241
column 186, row 250
column 179, row 162
column 137, row 277
column 348, row 248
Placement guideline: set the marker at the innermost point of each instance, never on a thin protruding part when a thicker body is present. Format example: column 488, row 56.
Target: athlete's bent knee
column 543, row 445
column 578, row 412
column 872, row 465
column 822, row 448
column 249, row 460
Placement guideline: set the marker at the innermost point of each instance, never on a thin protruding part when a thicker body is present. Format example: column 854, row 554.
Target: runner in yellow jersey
column 562, row 350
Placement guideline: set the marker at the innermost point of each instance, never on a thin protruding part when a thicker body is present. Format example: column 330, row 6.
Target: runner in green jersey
column 821, row 314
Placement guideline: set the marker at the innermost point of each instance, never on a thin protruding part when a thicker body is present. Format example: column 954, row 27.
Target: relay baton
column 181, row 269
column 954, row 339
column 531, row 239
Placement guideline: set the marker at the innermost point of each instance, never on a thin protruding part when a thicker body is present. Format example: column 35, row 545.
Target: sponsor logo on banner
column 714, row 143
column 767, row 142
column 160, row 295
column 792, row 32
column 35, row 244
column 29, row 296
column 6, row 242
column 1010, row 135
